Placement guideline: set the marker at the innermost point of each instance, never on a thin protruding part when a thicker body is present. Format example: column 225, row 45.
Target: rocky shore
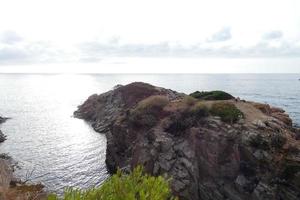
column 2, row 136
column 12, row 188
column 211, row 148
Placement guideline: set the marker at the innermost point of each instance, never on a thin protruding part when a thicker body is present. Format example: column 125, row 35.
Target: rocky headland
column 211, row 145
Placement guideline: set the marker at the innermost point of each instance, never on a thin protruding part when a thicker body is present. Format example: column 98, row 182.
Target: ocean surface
column 53, row 147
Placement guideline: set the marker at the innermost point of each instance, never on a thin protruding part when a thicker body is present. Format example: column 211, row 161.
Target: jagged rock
column 259, row 124
column 205, row 157
column 264, row 191
column 2, row 136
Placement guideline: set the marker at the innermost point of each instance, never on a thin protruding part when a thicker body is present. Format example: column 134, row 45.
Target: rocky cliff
column 211, row 149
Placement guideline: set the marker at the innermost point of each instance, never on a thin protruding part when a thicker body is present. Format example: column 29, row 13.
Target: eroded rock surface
column 258, row 157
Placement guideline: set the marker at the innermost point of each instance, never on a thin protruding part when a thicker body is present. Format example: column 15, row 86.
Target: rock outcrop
column 206, row 156
column 2, row 136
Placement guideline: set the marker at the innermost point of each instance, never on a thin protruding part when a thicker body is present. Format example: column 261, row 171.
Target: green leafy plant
column 227, row 111
column 212, row 95
column 134, row 186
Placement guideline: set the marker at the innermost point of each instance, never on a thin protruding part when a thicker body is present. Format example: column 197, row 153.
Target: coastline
column 11, row 188
column 2, row 136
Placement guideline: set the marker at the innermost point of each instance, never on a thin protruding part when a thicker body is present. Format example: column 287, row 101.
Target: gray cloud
column 29, row 52
column 14, row 50
column 9, row 55
column 273, row 35
column 223, row 35
column 94, row 50
column 10, row 37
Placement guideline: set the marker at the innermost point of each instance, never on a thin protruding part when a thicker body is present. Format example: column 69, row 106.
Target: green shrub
column 227, row 111
column 199, row 110
column 212, row 95
column 148, row 110
column 134, row 186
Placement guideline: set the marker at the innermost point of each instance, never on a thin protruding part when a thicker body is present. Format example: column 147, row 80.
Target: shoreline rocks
column 2, row 136
column 10, row 187
column 254, row 156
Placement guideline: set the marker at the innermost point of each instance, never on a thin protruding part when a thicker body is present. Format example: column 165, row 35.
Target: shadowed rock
column 2, row 136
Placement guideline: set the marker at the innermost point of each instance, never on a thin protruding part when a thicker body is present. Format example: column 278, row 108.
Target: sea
column 54, row 148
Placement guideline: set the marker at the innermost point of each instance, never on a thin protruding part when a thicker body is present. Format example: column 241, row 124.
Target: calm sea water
column 58, row 150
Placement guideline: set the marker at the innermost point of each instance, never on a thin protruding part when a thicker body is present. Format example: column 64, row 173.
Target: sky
column 90, row 32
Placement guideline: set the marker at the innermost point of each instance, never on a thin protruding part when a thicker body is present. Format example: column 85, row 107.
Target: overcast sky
column 88, row 31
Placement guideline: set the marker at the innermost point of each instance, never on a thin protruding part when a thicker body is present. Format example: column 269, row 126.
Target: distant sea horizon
column 158, row 65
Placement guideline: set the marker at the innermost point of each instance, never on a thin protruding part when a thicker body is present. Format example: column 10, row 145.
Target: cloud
column 96, row 50
column 14, row 50
column 223, row 35
column 10, row 37
column 9, row 55
column 17, row 50
column 273, row 35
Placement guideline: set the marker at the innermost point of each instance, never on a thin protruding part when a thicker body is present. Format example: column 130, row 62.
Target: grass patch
column 227, row 111
column 134, row 186
column 147, row 111
column 199, row 110
column 212, row 95
column 189, row 100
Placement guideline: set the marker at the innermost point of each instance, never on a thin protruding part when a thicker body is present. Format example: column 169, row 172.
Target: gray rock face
column 256, row 158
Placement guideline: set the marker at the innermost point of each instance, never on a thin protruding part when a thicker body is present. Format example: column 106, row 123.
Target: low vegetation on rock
column 212, row 95
column 227, row 111
column 199, row 110
column 148, row 110
column 134, row 186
